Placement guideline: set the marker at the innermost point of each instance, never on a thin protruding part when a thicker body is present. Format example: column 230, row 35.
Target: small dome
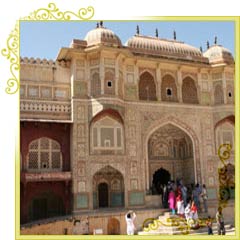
column 102, row 35
column 164, row 48
column 219, row 54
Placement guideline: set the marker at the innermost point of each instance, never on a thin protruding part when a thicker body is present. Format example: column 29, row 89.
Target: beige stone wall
column 99, row 221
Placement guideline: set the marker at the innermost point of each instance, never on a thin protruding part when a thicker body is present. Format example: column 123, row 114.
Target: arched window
column 230, row 93
column 95, row 85
column 109, row 83
column 189, row 91
column 147, row 87
column 44, row 155
column 169, row 89
column 218, row 95
column 107, row 134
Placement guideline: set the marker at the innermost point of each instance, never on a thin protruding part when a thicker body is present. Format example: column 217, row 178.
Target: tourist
column 172, row 201
column 220, row 222
column 209, row 225
column 187, row 211
column 180, row 204
column 184, row 195
column 130, row 217
column 195, row 196
column 204, row 197
column 165, row 196
column 194, row 211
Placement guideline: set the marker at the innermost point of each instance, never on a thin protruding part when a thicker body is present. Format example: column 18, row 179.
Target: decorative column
column 124, row 75
column 87, row 71
column 179, row 79
column 159, row 82
column 211, row 89
column 116, row 75
column 101, row 70
column 199, row 81
column 136, row 77
column 224, row 84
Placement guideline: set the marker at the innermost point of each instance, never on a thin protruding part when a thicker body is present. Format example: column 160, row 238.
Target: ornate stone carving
column 132, row 132
column 81, row 168
column 133, row 168
column 43, row 106
column 132, row 150
column 81, row 186
column 81, row 113
column 134, row 184
column 81, row 131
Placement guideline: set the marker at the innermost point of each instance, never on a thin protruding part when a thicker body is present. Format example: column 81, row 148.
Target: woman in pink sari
column 172, row 201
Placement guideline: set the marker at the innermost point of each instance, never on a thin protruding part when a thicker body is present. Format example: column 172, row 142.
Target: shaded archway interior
column 108, row 188
column 170, row 150
column 160, row 178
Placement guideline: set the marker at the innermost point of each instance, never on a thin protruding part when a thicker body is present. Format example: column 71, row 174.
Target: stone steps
column 168, row 224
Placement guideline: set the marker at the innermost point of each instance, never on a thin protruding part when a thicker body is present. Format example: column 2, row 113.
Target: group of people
column 177, row 196
column 191, row 217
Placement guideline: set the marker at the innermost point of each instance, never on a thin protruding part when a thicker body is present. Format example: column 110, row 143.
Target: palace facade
column 105, row 124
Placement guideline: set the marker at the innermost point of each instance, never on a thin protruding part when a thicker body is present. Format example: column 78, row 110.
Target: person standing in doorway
column 130, row 217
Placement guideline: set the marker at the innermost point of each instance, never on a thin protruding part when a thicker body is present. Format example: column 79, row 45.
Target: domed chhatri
column 102, row 35
column 218, row 54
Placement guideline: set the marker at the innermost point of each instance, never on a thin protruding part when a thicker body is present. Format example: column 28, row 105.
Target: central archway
column 170, row 154
column 108, row 188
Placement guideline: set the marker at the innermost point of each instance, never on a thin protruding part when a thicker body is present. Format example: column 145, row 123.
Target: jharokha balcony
column 45, row 176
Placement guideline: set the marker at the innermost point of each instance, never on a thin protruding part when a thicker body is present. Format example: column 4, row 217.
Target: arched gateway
column 108, row 188
column 172, row 146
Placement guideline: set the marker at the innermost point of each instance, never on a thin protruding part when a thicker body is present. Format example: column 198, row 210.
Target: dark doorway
column 39, row 208
column 46, row 206
column 103, row 195
column 160, row 178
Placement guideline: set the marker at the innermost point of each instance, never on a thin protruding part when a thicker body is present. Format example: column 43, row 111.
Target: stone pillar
column 210, row 85
column 73, row 76
column 116, row 75
column 136, row 77
column 159, row 82
column 179, row 79
column 88, row 77
column 124, row 75
column 101, row 70
column 224, row 84
column 199, row 82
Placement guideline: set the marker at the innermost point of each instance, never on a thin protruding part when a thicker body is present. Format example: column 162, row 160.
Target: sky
column 44, row 39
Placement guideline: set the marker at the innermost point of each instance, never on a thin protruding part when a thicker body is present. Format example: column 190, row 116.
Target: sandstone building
column 106, row 122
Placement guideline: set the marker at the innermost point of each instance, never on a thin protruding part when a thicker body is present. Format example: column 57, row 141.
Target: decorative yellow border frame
column 11, row 52
column 52, row 13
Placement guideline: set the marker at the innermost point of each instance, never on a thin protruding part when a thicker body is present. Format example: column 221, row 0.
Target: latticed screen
column 44, row 155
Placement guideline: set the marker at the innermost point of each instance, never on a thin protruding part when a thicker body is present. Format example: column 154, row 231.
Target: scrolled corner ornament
column 54, row 13
column 11, row 52
column 224, row 152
